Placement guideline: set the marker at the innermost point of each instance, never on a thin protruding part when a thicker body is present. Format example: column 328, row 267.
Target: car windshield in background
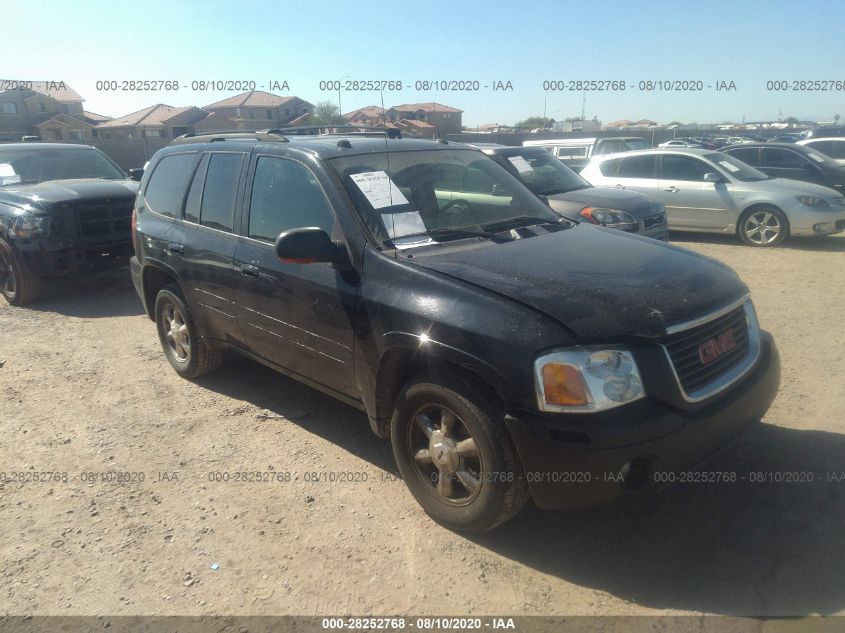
column 736, row 168
column 544, row 174
column 39, row 164
column 637, row 144
column 444, row 193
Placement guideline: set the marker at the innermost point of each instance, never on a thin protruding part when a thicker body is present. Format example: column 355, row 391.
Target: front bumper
column 805, row 220
column 566, row 467
column 53, row 258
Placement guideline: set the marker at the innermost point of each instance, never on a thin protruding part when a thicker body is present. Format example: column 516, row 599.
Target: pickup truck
column 576, row 152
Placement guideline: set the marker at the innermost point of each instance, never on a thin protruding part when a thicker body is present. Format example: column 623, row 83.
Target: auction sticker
column 379, row 189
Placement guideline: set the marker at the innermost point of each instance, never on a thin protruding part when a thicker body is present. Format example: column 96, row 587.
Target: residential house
column 444, row 119
column 370, row 116
column 26, row 104
column 621, row 124
column 159, row 121
column 257, row 110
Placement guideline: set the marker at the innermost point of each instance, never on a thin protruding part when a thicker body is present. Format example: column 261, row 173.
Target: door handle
column 248, row 270
column 672, row 189
column 176, row 249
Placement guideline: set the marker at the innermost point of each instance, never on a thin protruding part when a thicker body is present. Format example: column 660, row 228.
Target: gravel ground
column 86, row 389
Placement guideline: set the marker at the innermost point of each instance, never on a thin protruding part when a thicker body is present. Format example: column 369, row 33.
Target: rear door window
column 748, row 155
column 166, row 187
column 217, row 209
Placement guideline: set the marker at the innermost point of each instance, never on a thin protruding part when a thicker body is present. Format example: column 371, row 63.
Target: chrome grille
column 711, row 354
column 654, row 220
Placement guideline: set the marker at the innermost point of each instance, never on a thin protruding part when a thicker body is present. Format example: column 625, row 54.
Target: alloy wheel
column 176, row 333
column 445, row 454
column 762, row 227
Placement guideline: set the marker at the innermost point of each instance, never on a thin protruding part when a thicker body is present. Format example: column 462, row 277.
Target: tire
column 483, row 484
column 187, row 353
column 763, row 226
column 18, row 283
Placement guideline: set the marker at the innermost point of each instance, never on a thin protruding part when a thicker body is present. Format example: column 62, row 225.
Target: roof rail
column 233, row 135
column 333, row 130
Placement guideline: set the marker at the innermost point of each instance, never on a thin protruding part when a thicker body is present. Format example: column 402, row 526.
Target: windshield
column 542, row 173
column 39, row 164
column 637, row 144
column 451, row 193
column 736, row 168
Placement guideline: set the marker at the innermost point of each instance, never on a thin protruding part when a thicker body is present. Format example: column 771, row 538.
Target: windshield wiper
column 519, row 222
column 446, row 233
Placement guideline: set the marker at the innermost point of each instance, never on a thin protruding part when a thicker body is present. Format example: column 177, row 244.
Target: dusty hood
column 56, row 191
column 600, row 283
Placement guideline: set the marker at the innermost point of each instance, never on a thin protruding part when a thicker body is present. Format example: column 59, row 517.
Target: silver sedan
column 712, row 192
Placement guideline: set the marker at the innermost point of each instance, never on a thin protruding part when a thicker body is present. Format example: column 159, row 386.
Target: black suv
column 507, row 352
column 787, row 160
column 573, row 197
column 63, row 208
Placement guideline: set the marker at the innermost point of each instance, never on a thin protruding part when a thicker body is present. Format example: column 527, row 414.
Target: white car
column 709, row 191
column 834, row 147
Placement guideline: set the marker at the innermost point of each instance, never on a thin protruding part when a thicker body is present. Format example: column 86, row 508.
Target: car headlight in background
column 813, row 201
column 583, row 380
column 25, row 226
column 611, row 218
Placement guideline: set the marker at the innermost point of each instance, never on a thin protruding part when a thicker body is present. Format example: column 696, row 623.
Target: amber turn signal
column 563, row 385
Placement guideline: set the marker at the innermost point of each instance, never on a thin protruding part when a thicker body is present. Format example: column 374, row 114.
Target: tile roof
column 257, row 98
column 93, row 116
column 367, row 111
column 430, row 106
column 415, row 123
column 57, row 90
column 154, row 116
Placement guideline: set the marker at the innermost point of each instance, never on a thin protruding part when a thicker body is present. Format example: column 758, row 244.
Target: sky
column 524, row 42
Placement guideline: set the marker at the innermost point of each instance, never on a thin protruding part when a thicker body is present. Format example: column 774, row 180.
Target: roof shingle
column 154, row 116
column 257, row 98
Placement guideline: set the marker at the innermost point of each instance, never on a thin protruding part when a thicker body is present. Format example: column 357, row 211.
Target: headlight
column 26, row 226
column 813, row 201
column 611, row 218
column 583, row 380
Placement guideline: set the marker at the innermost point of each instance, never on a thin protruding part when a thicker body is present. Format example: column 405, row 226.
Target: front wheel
column 763, row 226
column 455, row 454
column 186, row 352
column 18, row 284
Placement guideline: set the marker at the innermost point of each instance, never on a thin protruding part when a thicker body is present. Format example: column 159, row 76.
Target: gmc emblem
column 711, row 349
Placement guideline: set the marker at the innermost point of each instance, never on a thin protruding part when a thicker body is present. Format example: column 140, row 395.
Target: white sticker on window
column 730, row 167
column 520, row 163
column 379, row 188
column 399, row 224
column 6, row 169
column 816, row 157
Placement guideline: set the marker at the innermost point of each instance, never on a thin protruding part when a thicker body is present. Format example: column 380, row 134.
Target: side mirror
column 136, row 173
column 713, row 177
column 544, row 200
column 307, row 245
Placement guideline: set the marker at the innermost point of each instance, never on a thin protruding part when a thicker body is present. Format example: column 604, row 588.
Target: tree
column 676, row 123
column 792, row 120
column 836, row 118
column 326, row 113
column 534, row 122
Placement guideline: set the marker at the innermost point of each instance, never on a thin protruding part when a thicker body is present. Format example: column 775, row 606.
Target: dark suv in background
column 787, row 160
column 63, row 209
column 573, row 197
column 506, row 352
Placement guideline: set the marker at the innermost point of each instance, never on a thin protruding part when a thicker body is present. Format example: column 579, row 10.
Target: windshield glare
column 544, row 174
column 39, row 164
column 415, row 192
column 736, row 168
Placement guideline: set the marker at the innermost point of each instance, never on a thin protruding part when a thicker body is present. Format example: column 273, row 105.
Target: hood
column 55, row 191
column 797, row 188
column 600, row 283
column 631, row 202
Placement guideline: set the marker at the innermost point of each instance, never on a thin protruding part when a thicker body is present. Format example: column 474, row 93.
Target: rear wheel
column 188, row 354
column 18, row 283
column 763, row 226
column 455, row 454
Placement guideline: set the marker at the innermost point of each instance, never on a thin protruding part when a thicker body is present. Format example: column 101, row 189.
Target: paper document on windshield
column 8, row 175
column 728, row 166
column 401, row 224
column 520, row 163
column 379, row 188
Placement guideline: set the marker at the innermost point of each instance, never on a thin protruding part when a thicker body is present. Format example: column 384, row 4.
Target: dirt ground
column 86, row 389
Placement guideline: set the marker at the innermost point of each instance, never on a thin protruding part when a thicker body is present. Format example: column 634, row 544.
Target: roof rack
column 334, row 130
column 234, row 135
